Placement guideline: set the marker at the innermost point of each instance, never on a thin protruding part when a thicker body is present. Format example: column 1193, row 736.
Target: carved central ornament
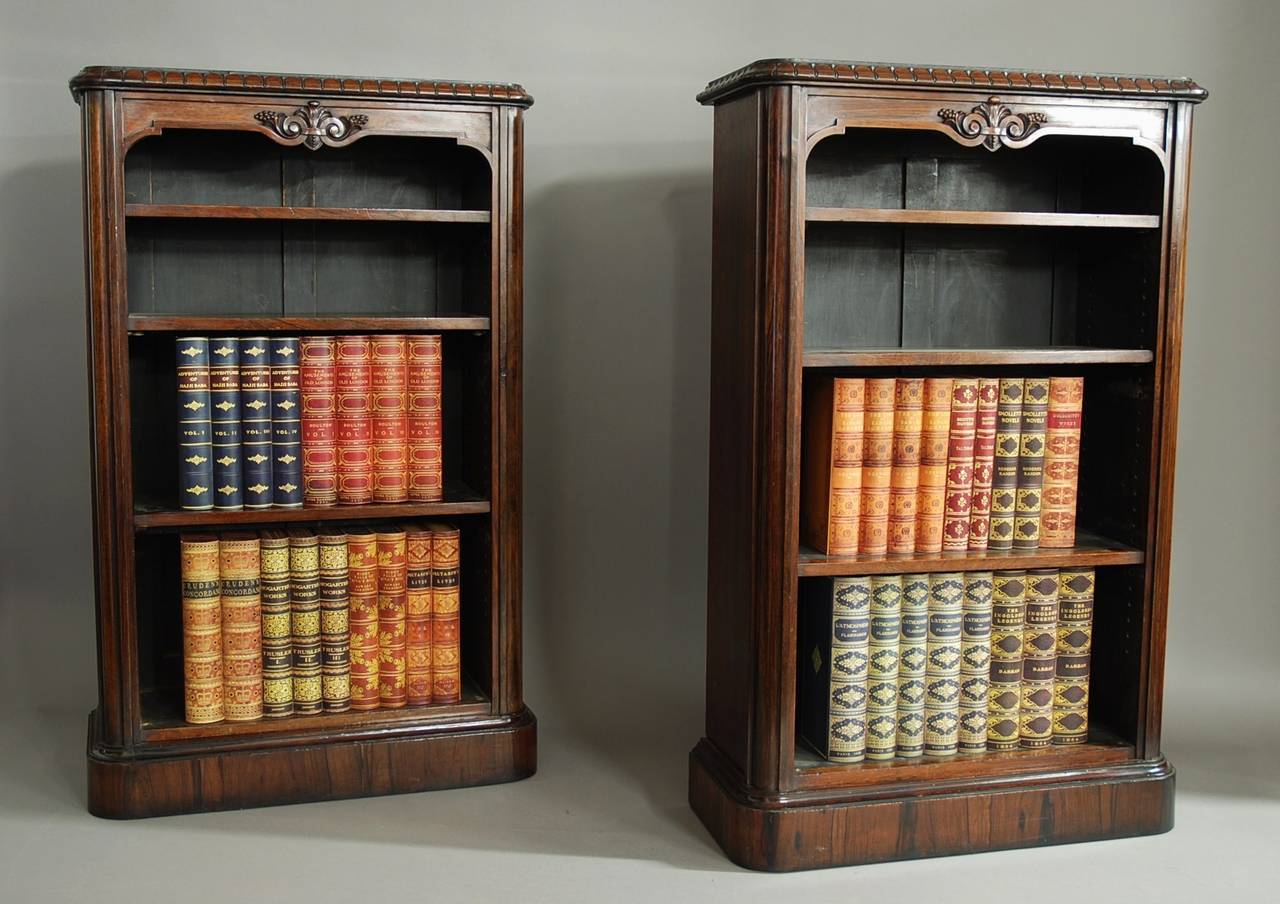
column 312, row 125
column 992, row 124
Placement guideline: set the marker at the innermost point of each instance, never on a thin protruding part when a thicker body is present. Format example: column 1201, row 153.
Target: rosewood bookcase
column 875, row 219
column 234, row 202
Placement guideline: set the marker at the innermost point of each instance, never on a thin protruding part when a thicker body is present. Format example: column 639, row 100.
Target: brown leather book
column 1004, row 475
column 425, row 418
column 935, row 430
column 319, row 420
column 1027, row 507
column 354, row 387
column 201, row 629
column 1008, row 615
column 362, row 595
column 417, row 619
column 964, row 415
column 877, row 466
column 277, row 625
column 904, row 480
column 831, row 471
column 240, row 566
column 388, row 371
column 446, row 623
column 1061, row 463
column 1039, row 659
column 393, row 598
column 1075, row 643
column 335, row 628
column 304, row 607
column 984, row 447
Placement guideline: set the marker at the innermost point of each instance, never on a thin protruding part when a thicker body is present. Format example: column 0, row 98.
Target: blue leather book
column 224, row 415
column 195, row 448
column 255, row 421
column 286, row 423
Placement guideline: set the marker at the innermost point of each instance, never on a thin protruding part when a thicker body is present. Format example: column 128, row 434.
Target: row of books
column 319, row 420
column 927, row 464
column 278, row 623
column 940, row 664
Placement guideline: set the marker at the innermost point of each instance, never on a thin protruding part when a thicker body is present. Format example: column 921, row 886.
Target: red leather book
column 319, row 420
column 201, row 629
column 389, row 360
column 425, row 381
column 446, row 625
column 877, row 466
column 964, row 410
column 353, row 382
column 1004, row 480
column 931, row 498
column 904, row 479
column 393, row 593
column 1027, row 507
column 239, row 566
column 1061, row 463
column 984, row 448
column 831, row 465
column 417, row 618
column 362, row 597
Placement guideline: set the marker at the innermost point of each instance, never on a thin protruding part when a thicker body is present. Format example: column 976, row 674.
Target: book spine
column 393, row 591
column 934, row 433
column 425, row 403
column 335, row 631
column 850, row 632
column 224, row 415
column 1004, row 471
column 964, row 417
column 362, row 594
column 1035, row 415
column 1039, row 659
column 877, row 467
column 255, row 421
column 975, row 661
column 389, row 360
column 882, row 667
column 304, row 598
column 195, row 431
column 942, row 670
column 286, row 424
column 446, row 626
column 1075, row 643
column 904, row 480
column 319, row 420
column 277, row 626
column 417, row 618
column 913, row 653
column 355, row 427
column 1061, row 462
column 984, row 448
column 240, row 565
column 201, row 629
column 1008, row 613
column 845, row 502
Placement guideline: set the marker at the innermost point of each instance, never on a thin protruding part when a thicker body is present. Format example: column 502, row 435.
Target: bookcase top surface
column 895, row 75
column 141, row 78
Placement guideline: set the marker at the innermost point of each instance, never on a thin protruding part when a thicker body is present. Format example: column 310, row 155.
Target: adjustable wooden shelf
column 871, row 219
column 225, row 202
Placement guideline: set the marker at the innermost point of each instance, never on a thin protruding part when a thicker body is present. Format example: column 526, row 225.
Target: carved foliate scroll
column 312, row 125
column 992, row 124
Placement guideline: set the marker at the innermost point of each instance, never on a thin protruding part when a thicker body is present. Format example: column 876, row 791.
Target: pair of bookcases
column 868, row 221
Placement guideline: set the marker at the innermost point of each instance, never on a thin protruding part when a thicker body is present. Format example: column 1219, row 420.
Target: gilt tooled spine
column 1035, row 415
column 904, row 481
column 195, row 431
column 355, row 426
column 932, row 495
column 964, row 415
column 975, row 661
column 913, row 655
column 1008, row 614
column 1004, row 472
column 1039, row 659
column 362, row 594
column 425, row 417
column 201, row 629
column 877, row 466
column 335, row 631
column 286, row 423
column 388, row 373
column 393, row 592
column 240, row 569
column 446, row 625
column 1061, row 463
column 1075, row 644
column 255, row 421
column 417, row 618
column 942, row 668
column 319, row 420
column 277, row 626
column 984, row 447
column 845, row 503
column 224, row 415
column 304, row 598
column 882, row 666
column 847, row 704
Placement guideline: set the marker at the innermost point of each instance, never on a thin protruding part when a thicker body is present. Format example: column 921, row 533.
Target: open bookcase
column 264, row 205
column 876, row 220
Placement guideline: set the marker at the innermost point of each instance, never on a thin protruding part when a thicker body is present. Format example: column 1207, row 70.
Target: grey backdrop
column 618, row 193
